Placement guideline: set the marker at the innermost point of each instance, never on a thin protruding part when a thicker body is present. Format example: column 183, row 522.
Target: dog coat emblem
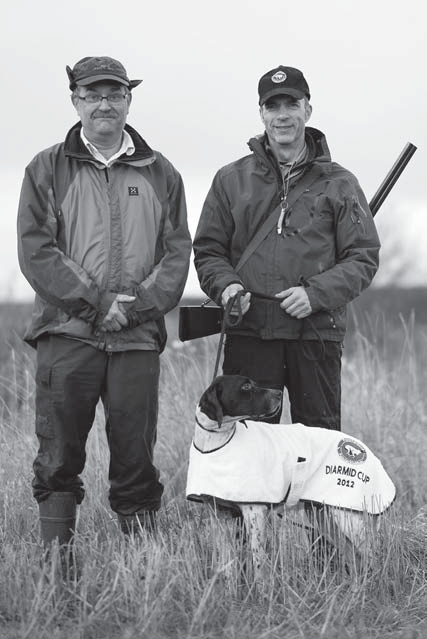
column 352, row 451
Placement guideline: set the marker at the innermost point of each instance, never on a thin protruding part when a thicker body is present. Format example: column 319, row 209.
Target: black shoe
column 136, row 523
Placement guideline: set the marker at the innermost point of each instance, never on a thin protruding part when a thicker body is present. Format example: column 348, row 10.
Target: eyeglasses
column 94, row 98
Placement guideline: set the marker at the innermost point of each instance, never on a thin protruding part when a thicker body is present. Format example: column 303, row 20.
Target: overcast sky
column 200, row 63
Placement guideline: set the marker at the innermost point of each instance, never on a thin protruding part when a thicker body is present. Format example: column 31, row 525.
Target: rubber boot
column 58, row 518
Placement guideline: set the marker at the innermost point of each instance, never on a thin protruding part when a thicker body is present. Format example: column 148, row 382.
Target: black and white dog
column 239, row 461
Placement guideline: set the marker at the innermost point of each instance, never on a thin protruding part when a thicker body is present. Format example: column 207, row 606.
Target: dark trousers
column 71, row 377
column 310, row 370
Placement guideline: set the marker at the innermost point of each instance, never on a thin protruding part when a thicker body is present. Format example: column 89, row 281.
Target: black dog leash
column 229, row 321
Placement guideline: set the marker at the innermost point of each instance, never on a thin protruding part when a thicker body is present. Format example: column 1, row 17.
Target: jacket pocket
column 323, row 319
column 358, row 217
column 332, row 319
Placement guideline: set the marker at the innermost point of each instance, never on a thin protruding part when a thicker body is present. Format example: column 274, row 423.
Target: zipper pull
column 284, row 208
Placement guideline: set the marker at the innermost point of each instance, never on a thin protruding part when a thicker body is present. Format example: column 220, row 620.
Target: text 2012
column 348, row 483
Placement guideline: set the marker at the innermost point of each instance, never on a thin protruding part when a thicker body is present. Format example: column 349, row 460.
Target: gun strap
column 270, row 222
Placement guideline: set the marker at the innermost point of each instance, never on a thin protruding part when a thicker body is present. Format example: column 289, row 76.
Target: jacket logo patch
column 133, row 190
column 352, row 451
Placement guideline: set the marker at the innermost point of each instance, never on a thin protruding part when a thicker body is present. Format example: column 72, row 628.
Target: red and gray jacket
column 87, row 232
column 330, row 246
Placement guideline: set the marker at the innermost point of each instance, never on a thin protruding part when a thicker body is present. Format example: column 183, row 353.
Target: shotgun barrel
column 392, row 177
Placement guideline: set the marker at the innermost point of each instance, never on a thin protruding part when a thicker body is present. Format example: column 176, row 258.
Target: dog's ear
column 210, row 403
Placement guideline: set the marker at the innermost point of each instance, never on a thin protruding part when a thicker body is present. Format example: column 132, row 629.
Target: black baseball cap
column 91, row 69
column 282, row 80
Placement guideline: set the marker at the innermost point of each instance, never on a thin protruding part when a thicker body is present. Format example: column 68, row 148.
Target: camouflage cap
column 90, row 70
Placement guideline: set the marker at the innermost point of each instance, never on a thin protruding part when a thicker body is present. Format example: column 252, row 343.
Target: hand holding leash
column 231, row 292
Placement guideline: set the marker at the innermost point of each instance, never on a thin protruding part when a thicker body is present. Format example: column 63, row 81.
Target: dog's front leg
column 255, row 517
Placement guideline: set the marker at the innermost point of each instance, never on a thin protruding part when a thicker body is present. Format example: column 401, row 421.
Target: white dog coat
column 273, row 463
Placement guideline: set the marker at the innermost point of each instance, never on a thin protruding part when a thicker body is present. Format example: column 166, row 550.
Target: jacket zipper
column 109, row 274
column 356, row 217
column 284, row 206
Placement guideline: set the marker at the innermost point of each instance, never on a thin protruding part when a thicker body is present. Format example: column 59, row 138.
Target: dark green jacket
column 330, row 246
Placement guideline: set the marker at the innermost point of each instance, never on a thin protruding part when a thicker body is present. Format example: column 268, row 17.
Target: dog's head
column 240, row 397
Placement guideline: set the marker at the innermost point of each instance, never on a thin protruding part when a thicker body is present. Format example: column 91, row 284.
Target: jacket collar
column 75, row 147
column 318, row 150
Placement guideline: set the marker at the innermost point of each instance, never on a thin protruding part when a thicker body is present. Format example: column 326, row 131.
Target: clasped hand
column 116, row 318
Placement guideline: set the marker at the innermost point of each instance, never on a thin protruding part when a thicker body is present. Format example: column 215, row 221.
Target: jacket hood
column 74, row 146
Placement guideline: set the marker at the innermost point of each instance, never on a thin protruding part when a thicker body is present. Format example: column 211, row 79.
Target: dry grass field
column 189, row 582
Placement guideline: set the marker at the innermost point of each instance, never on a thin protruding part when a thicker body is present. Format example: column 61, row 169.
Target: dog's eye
column 246, row 387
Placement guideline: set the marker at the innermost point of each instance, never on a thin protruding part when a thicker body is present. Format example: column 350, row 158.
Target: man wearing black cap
column 104, row 242
column 293, row 231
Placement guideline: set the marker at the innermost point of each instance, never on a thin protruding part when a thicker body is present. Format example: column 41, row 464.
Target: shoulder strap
column 270, row 222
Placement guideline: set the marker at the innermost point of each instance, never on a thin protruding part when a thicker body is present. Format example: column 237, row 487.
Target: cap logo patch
column 352, row 451
column 104, row 65
column 278, row 77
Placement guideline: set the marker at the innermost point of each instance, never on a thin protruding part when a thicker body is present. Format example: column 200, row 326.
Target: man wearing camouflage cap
column 104, row 242
column 293, row 230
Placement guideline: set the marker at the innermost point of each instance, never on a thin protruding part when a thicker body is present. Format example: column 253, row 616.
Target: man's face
column 284, row 118
column 102, row 120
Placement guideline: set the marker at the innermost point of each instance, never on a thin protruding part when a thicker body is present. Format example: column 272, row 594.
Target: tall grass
column 190, row 581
